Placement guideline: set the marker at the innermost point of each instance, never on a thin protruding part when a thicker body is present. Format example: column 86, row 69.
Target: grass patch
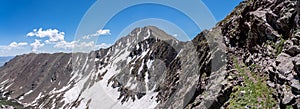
column 289, row 107
column 2, row 102
column 279, row 46
column 252, row 94
column 10, row 103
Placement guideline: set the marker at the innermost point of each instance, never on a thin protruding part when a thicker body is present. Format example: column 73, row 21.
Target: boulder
column 295, row 86
column 293, row 50
column 284, row 65
column 296, row 62
column 288, row 97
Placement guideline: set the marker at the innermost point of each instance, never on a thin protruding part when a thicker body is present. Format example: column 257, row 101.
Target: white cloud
column 100, row 32
column 65, row 45
column 36, row 45
column 17, row 45
column 175, row 35
column 86, row 44
column 92, row 45
column 80, row 45
column 13, row 49
column 73, row 44
column 53, row 34
column 86, row 37
column 56, row 39
column 102, row 45
column 13, row 45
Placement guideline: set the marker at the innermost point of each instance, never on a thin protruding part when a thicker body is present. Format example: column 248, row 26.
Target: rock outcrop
column 265, row 33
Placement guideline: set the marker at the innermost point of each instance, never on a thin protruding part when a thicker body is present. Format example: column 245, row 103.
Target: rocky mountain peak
column 145, row 36
column 142, row 33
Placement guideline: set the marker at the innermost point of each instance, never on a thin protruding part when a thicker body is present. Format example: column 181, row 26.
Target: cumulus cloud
column 53, row 34
column 57, row 39
column 13, row 45
column 17, row 45
column 36, row 45
column 80, row 45
column 73, row 44
column 65, row 45
column 100, row 32
column 86, row 44
column 92, row 45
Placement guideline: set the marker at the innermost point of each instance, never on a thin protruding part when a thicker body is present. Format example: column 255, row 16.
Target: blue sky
column 56, row 23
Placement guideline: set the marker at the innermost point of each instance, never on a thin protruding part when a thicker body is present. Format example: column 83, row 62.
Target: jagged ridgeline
column 251, row 59
column 141, row 70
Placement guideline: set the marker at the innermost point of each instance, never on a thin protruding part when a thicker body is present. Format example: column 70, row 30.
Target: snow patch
column 148, row 34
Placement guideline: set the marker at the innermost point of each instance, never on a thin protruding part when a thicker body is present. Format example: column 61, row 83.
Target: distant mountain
column 3, row 60
column 251, row 59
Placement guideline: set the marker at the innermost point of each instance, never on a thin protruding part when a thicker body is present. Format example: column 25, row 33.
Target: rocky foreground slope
column 251, row 59
column 264, row 36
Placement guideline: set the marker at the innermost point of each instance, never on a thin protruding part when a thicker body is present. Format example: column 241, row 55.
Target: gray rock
column 295, row 86
column 295, row 41
column 288, row 97
column 293, row 50
column 298, row 103
column 271, row 69
column 290, row 77
column 296, row 62
column 271, row 84
column 249, row 60
column 297, row 35
column 285, row 65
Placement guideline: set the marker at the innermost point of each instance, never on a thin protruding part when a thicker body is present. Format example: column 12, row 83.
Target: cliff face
column 261, row 41
column 251, row 59
column 265, row 34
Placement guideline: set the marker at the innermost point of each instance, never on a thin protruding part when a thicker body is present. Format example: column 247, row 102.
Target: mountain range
column 251, row 59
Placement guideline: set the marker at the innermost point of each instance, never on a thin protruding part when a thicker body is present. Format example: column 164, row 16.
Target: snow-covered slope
column 144, row 70
column 125, row 75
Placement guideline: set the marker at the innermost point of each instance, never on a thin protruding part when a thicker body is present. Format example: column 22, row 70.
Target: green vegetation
column 10, row 103
column 203, row 43
column 289, row 107
column 254, row 93
column 2, row 102
column 279, row 46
